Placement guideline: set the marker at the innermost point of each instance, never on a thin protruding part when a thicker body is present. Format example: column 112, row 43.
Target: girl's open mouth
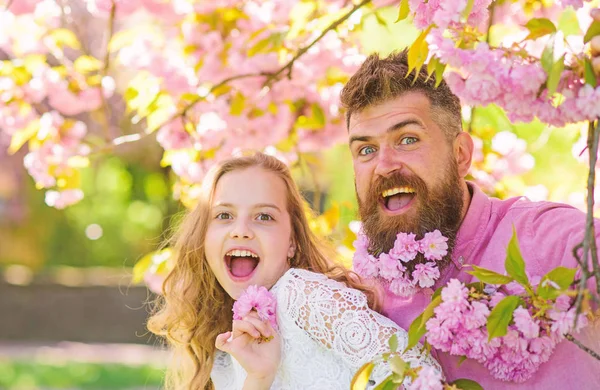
column 241, row 263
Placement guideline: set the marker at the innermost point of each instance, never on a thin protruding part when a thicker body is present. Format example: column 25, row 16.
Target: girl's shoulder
column 299, row 276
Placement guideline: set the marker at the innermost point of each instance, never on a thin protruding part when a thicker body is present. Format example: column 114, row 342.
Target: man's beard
column 438, row 208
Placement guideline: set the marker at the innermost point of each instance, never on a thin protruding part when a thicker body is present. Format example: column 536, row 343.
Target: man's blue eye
column 366, row 150
column 408, row 140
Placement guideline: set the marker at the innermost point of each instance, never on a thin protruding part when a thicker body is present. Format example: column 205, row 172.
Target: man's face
column 408, row 175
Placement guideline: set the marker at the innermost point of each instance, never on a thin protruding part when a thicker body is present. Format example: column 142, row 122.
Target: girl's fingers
column 241, row 326
column 595, row 45
column 222, row 340
column 596, row 65
column 260, row 325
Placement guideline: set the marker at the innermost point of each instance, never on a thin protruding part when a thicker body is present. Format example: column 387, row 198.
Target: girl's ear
column 292, row 249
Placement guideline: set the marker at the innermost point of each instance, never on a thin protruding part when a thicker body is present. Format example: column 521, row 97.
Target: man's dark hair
column 381, row 79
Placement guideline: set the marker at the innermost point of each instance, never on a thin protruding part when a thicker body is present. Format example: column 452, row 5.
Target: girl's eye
column 223, row 216
column 408, row 140
column 264, row 217
column 366, row 150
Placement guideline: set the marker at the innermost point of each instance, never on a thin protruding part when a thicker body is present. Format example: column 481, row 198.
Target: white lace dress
column 327, row 331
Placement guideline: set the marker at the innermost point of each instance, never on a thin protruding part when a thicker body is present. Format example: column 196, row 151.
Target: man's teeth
column 397, row 190
column 241, row 253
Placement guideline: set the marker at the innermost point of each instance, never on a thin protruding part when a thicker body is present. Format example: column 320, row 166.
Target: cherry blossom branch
column 104, row 71
column 301, row 52
column 8, row 5
column 271, row 77
column 578, row 343
column 589, row 242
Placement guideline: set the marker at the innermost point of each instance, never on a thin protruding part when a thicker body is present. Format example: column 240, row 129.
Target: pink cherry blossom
column 525, row 324
column 259, row 299
column 428, row 379
column 62, row 199
column 434, row 246
column 426, row 274
column 405, row 247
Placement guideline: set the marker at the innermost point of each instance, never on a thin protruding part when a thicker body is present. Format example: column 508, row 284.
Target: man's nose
column 387, row 162
column 241, row 230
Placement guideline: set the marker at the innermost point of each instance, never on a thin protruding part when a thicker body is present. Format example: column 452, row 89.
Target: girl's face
column 249, row 236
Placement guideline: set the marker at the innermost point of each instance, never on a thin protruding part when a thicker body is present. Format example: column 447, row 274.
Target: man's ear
column 463, row 152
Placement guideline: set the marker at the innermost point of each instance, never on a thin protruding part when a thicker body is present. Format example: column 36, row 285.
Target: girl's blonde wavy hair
column 195, row 308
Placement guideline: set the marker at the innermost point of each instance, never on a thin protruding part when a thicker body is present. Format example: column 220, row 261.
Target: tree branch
column 589, row 242
column 8, row 5
column 301, row 52
column 572, row 339
column 271, row 76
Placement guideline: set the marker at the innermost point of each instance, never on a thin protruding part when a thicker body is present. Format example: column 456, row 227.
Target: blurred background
column 72, row 315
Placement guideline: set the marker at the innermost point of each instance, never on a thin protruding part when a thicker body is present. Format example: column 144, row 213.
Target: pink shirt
column 547, row 233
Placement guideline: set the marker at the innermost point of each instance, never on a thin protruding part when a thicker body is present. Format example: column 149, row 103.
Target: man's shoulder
column 534, row 211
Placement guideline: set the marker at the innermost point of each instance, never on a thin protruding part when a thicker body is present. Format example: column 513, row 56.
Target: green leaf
column 403, row 11
column 140, row 268
column 461, row 360
column 568, row 23
column 237, row 104
column 271, row 43
column 318, row 114
column 159, row 112
column 539, row 27
column 431, row 66
column 387, row 384
column 21, row 136
column 592, row 31
column 417, row 327
column 548, row 55
column 467, row 384
column 87, row 64
column 381, row 21
column 417, row 53
column 393, row 343
column 415, row 332
column 439, row 73
column 398, row 365
column 428, row 312
column 467, row 11
column 589, row 74
column 489, row 276
column 63, row 37
column 514, row 264
column 361, row 378
column 555, row 75
column 501, row 316
column 561, row 276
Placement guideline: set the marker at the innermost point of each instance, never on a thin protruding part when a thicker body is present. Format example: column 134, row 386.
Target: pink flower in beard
column 405, row 247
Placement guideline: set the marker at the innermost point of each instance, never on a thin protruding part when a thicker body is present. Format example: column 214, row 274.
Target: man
column 408, row 138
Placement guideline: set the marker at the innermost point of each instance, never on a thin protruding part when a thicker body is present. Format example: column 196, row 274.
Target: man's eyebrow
column 405, row 123
column 395, row 127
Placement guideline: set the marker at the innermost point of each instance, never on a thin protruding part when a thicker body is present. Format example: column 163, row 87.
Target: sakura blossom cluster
column 459, row 328
column 503, row 76
column 259, row 299
column 391, row 268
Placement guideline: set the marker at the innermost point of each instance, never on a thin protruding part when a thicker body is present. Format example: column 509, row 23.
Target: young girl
column 250, row 228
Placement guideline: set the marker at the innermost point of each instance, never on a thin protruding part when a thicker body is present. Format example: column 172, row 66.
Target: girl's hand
column 259, row 358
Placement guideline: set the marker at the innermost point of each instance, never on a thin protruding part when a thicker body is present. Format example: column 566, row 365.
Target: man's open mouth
column 241, row 262
column 397, row 198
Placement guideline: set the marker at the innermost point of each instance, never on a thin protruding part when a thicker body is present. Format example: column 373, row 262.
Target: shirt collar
column 472, row 227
